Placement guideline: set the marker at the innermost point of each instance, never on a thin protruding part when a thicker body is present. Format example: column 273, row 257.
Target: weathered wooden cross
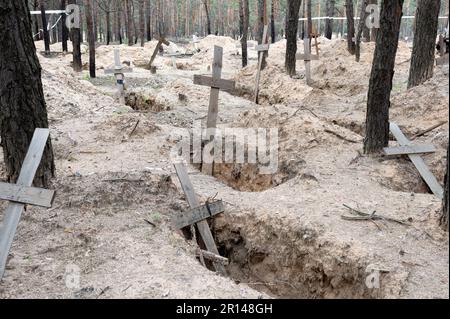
column 216, row 83
column 161, row 41
column 308, row 57
column 199, row 214
column 22, row 194
column 413, row 151
column 262, row 48
column 119, row 72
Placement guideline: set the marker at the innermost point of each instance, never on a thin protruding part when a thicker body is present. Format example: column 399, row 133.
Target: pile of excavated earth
column 283, row 233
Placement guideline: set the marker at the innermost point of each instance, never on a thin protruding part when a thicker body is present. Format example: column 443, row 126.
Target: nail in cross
column 22, row 193
column 119, row 70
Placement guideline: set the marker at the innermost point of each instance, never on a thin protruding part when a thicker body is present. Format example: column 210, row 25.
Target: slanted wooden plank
column 192, row 199
column 406, row 150
column 14, row 210
column 423, row 169
column 309, row 57
column 260, row 61
column 262, row 47
column 224, row 85
column 155, row 53
column 213, row 257
column 26, row 195
column 198, row 214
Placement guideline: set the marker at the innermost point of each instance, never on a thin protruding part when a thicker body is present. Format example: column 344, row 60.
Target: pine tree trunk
column 445, row 202
column 423, row 54
column 91, row 36
column 149, row 20
column 272, row 22
column 75, row 35
column 208, row 19
column 119, row 22
column 141, row 22
column 309, row 15
column 350, row 26
column 64, row 30
column 378, row 102
column 292, row 16
column 129, row 22
column 22, row 102
column 262, row 21
column 108, row 23
column 44, row 27
column 329, row 23
column 361, row 26
column 244, row 14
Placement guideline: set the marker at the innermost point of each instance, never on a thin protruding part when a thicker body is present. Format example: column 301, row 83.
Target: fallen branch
column 134, row 128
column 212, row 257
column 341, row 137
column 428, row 130
column 370, row 217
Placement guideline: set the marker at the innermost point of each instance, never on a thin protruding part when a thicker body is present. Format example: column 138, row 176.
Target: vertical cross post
column 202, row 226
column 15, row 208
column 264, row 47
column 307, row 57
column 118, row 70
column 216, row 83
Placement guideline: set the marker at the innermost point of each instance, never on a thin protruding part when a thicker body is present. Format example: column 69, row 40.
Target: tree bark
column 129, row 22
column 292, row 16
column 329, row 23
column 148, row 20
column 64, row 30
column 91, row 37
column 423, row 53
column 272, row 22
column 262, row 22
column 44, row 27
column 445, row 202
column 309, row 15
column 350, row 26
column 75, row 35
column 208, row 19
column 22, row 101
column 361, row 25
column 141, row 22
column 244, row 14
column 108, row 22
column 378, row 102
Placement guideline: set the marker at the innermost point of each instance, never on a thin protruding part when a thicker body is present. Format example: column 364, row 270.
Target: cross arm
column 27, row 195
column 198, row 214
column 224, row 85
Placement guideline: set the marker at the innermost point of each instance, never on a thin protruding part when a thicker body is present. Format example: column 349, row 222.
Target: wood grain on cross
column 307, row 57
column 216, row 83
column 161, row 41
column 119, row 72
column 264, row 47
column 22, row 193
column 193, row 201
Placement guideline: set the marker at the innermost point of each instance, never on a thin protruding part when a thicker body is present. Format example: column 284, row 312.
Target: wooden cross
column 161, row 41
column 119, row 72
column 413, row 151
column 307, row 57
column 264, row 47
column 216, row 83
column 22, row 193
column 198, row 214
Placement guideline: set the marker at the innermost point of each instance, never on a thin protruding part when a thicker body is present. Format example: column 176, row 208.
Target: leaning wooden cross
column 308, row 57
column 216, row 83
column 22, row 193
column 262, row 48
column 413, row 152
column 161, row 41
column 199, row 214
column 119, row 72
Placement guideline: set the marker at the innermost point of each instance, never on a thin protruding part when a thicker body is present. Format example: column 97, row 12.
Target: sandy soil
column 283, row 233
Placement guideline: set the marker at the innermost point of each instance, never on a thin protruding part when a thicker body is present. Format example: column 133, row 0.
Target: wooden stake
column 261, row 49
